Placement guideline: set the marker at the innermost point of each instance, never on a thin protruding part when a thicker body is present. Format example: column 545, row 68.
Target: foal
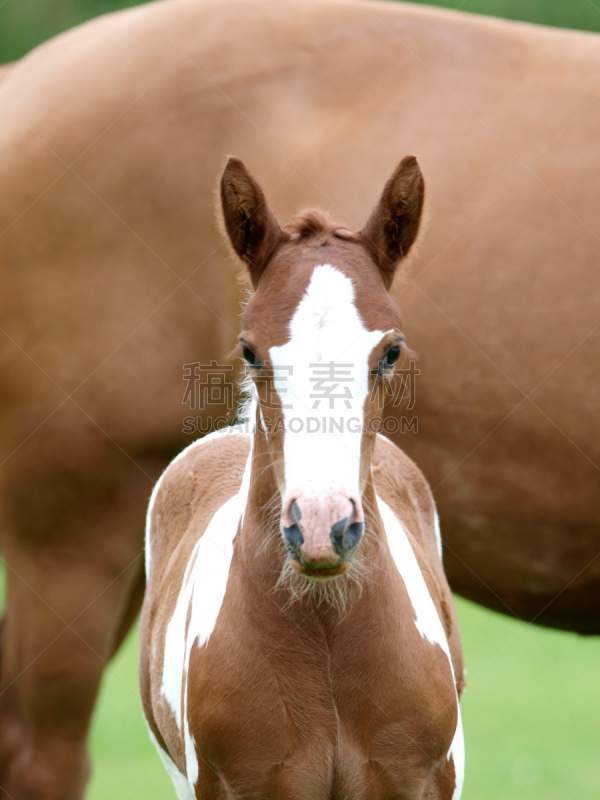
column 298, row 636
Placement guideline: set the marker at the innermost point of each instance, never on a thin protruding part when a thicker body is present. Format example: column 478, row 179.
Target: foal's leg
column 72, row 543
column 443, row 785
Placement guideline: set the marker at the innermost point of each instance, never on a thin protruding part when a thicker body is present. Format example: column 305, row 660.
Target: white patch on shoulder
column 436, row 521
column 155, row 490
column 202, row 592
column 182, row 787
column 329, row 348
column 427, row 618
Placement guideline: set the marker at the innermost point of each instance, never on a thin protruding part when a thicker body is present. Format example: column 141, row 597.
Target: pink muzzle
column 321, row 531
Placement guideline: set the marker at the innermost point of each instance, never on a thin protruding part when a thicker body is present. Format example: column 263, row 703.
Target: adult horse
column 114, row 277
column 325, row 687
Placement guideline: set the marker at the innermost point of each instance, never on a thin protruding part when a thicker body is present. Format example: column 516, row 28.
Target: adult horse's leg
column 72, row 542
column 132, row 610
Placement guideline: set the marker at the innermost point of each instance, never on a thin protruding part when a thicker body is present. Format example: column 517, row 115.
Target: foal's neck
column 263, row 507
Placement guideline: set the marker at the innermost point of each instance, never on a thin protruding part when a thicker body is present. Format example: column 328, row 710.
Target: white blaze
column 322, row 378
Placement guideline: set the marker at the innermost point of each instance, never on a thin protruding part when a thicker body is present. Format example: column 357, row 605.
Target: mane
column 312, row 222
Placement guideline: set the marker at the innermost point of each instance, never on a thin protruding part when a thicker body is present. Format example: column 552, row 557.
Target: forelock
column 310, row 223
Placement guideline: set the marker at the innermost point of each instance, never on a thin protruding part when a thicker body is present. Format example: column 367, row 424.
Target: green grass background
column 532, row 708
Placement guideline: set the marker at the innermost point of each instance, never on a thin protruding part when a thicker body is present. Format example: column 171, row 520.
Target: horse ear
column 393, row 226
column 251, row 225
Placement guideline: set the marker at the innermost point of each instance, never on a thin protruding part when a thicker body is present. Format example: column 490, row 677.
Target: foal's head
column 320, row 334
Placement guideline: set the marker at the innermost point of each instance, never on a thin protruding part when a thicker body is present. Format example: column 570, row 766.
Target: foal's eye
column 392, row 355
column 250, row 357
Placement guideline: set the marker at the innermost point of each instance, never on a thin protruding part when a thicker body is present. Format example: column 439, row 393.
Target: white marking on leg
column 457, row 753
column 427, row 619
column 180, row 782
column 203, row 588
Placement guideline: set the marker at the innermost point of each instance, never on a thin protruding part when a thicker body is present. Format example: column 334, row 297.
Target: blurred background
column 532, row 707
column 25, row 23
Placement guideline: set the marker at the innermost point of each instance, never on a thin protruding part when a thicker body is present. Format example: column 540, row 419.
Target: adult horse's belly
column 502, row 302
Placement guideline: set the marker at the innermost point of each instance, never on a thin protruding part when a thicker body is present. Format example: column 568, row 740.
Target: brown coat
column 298, row 698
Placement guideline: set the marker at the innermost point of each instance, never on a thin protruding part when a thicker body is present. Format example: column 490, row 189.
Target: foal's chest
column 307, row 721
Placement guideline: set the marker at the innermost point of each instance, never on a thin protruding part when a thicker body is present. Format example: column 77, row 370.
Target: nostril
column 346, row 535
column 294, row 537
column 295, row 511
column 353, row 535
column 338, row 531
column 292, row 532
